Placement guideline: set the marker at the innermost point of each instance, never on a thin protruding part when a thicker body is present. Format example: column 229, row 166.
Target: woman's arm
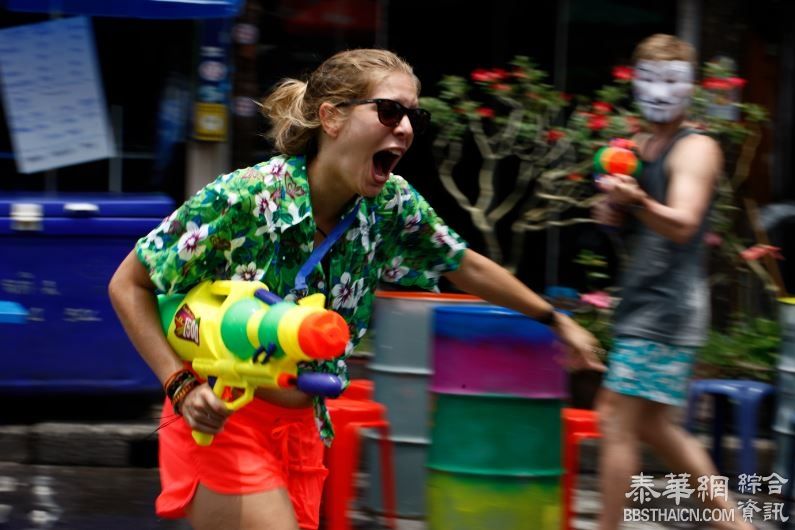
column 482, row 277
column 132, row 295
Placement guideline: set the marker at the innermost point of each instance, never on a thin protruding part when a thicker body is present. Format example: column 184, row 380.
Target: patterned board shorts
column 650, row 370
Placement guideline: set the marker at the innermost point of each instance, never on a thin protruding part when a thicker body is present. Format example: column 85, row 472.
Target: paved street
column 96, row 472
column 107, row 498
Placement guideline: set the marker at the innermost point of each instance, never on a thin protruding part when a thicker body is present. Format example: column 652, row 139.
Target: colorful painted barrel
column 401, row 371
column 785, row 387
column 495, row 457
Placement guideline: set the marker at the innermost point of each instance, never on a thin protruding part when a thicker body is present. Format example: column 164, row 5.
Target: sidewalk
column 100, row 442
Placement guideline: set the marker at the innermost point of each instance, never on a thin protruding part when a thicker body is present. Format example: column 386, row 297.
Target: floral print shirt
column 257, row 224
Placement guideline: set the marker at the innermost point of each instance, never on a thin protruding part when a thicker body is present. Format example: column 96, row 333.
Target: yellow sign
column 210, row 122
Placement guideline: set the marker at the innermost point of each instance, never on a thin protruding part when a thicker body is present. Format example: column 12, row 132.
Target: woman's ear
column 330, row 119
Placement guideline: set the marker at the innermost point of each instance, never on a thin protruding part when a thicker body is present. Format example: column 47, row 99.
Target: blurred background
column 169, row 90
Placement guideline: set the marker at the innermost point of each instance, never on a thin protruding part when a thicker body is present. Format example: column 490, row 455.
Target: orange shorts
column 262, row 447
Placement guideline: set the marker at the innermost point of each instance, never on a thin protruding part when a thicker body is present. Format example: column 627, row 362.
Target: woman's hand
column 582, row 347
column 204, row 411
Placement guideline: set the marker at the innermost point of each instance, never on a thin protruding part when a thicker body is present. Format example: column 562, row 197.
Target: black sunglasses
column 390, row 113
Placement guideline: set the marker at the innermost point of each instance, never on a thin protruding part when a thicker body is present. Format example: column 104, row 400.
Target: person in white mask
column 663, row 316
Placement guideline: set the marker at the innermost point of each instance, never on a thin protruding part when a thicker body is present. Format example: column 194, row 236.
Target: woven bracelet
column 181, row 393
column 178, row 385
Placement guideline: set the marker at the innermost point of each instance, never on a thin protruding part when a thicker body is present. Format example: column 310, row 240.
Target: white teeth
column 396, row 152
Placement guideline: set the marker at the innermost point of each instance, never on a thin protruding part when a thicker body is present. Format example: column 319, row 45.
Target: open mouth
column 384, row 162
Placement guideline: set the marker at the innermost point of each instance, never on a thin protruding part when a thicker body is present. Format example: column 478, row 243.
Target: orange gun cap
column 323, row 335
column 285, row 380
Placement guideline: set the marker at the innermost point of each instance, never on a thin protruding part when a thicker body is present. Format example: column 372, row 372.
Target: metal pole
column 382, row 24
column 688, row 23
column 115, row 166
column 552, row 254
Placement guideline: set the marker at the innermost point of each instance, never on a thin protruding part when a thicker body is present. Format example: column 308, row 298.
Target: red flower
column 488, row 76
column 717, row 83
column 602, row 107
column 759, row 251
column 623, row 73
column 553, row 135
column 597, row 122
column 737, row 82
column 498, row 74
column 501, row 87
column 486, row 112
column 480, row 75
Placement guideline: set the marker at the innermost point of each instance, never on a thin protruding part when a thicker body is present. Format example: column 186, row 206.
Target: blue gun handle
column 317, row 384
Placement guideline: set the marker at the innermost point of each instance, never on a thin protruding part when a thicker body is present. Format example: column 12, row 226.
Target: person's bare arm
column 132, row 295
column 693, row 166
column 483, row 277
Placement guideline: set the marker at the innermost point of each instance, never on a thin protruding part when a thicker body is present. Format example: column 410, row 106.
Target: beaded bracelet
column 178, row 385
column 182, row 393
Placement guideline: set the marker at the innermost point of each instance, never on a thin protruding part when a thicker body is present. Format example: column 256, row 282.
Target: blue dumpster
column 58, row 255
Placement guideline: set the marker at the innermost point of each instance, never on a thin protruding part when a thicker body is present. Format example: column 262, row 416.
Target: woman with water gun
column 325, row 216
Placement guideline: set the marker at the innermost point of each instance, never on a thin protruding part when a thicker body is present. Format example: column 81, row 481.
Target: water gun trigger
column 221, row 390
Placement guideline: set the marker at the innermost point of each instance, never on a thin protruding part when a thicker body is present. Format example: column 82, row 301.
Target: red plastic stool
column 578, row 424
column 342, row 458
column 361, row 389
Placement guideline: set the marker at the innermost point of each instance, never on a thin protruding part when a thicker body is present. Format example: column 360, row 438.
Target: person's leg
column 682, row 453
column 269, row 510
column 619, row 457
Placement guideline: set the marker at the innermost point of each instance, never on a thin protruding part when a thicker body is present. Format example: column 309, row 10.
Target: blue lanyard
column 300, row 289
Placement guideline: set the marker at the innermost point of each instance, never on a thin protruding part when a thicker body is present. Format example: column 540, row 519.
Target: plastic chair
column 746, row 397
column 361, row 389
column 342, row 458
column 578, row 424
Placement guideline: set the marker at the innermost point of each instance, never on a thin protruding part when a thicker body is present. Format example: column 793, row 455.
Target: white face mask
column 663, row 89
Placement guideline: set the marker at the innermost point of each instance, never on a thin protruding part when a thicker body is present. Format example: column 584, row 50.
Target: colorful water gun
column 618, row 157
column 247, row 337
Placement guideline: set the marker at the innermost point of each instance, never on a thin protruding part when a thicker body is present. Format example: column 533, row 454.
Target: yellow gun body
column 230, row 330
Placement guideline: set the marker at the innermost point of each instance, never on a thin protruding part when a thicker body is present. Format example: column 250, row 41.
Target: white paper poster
column 52, row 95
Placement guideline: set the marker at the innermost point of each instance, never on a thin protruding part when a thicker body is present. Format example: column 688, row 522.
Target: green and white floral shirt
column 256, row 224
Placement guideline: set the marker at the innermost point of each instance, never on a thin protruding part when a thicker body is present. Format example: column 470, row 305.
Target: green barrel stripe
column 269, row 327
column 233, row 327
column 483, row 435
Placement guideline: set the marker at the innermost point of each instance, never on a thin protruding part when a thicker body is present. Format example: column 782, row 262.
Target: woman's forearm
column 483, row 277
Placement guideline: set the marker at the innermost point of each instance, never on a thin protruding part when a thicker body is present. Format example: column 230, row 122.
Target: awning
column 131, row 8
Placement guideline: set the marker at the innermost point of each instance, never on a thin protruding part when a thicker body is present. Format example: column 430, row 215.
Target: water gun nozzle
column 323, row 335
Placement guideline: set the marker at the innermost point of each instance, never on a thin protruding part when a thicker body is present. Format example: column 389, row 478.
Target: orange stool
column 578, row 424
column 342, row 458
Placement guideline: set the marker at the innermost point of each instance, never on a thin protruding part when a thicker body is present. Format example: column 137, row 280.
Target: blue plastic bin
column 58, row 255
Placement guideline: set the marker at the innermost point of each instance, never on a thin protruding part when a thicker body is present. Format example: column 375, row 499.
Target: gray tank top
column 664, row 290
